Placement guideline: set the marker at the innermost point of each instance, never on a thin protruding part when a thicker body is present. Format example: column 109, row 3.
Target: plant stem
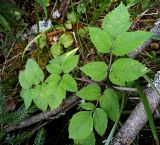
column 83, row 79
column 107, row 141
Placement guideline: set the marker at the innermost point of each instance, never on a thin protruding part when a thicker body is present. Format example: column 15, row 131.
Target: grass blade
column 148, row 111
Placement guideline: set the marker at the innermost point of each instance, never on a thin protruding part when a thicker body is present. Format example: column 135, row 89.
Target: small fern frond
column 40, row 137
column 16, row 139
column 12, row 118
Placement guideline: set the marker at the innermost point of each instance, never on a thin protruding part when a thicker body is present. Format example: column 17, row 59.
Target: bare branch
column 136, row 120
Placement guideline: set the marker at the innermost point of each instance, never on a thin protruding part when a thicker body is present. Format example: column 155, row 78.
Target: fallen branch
column 53, row 114
column 136, row 120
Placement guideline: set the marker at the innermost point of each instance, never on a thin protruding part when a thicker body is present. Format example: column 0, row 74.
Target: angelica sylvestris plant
column 112, row 38
column 99, row 103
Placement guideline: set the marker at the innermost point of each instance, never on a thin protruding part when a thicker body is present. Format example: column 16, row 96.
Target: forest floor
column 19, row 32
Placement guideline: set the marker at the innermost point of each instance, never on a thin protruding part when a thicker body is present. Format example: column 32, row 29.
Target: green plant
column 9, row 16
column 53, row 90
column 40, row 137
column 100, row 103
column 12, row 118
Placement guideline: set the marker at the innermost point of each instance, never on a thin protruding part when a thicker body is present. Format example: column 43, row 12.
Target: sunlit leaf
column 87, row 106
column 100, row 39
column 68, row 83
column 110, row 103
column 135, row 39
column 100, row 121
column 126, row 70
column 70, row 63
column 33, row 73
column 66, row 40
column 96, row 70
column 27, row 97
column 81, row 125
column 91, row 92
column 117, row 21
column 56, row 49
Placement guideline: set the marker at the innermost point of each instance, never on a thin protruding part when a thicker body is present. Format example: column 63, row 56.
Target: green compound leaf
column 100, row 39
column 91, row 92
column 81, row 125
column 27, row 97
column 96, row 70
column 66, row 40
column 53, row 78
column 56, row 49
column 56, row 95
column 70, row 63
column 129, row 41
column 23, row 81
column 110, row 103
column 54, row 68
column 126, row 70
column 66, row 62
column 72, row 17
column 87, row 106
column 39, row 98
column 100, row 121
column 33, row 72
column 90, row 140
column 68, row 83
column 117, row 21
